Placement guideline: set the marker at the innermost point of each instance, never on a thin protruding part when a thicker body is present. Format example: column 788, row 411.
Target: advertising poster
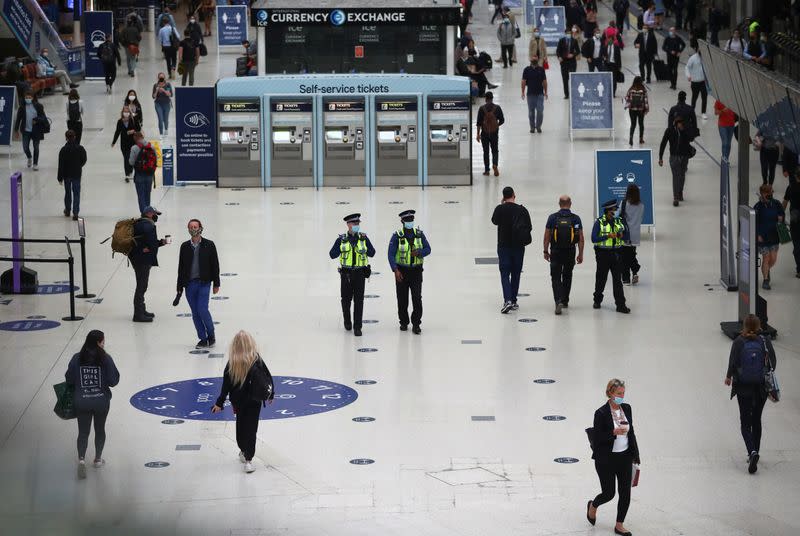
column 97, row 25
column 19, row 19
column 591, row 101
column 616, row 169
column 195, row 134
column 7, row 107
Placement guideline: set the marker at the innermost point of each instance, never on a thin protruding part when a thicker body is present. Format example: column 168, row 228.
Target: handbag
column 590, row 435
column 619, row 77
column 133, row 49
column 181, row 68
column 692, row 151
column 517, row 33
column 546, row 64
column 784, row 236
column 65, row 400
column 203, row 49
column 770, row 379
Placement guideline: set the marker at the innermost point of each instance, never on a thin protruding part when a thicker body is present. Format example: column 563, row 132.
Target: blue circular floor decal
column 535, row 348
column 35, row 317
column 28, row 325
column 544, row 380
column 362, row 461
column 193, row 399
column 60, row 288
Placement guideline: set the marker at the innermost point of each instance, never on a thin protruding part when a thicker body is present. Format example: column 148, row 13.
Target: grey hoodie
column 506, row 32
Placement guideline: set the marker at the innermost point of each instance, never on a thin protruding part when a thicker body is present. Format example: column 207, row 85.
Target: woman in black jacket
column 746, row 364
column 28, row 113
column 615, row 450
column 237, row 380
column 126, row 126
column 132, row 101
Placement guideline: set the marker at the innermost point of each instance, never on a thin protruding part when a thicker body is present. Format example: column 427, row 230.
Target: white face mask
column 73, row 101
column 126, row 115
column 131, row 98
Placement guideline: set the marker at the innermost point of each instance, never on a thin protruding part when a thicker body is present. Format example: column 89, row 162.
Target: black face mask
column 155, row 218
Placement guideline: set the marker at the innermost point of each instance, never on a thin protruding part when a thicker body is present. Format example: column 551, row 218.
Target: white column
column 262, row 50
column 151, row 18
column 451, row 60
column 76, row 33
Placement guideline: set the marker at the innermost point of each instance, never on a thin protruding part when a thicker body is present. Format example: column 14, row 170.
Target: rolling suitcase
column 661, row 69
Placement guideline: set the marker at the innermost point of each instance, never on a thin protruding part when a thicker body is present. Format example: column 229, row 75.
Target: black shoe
column 596, row 305
column 630, row 142
column 403, row 327
column 492, row 86
column 416, row 330
column 74, row 217
column 621, row 533
column 753, row 467
column 211, row 342
column 589, row 519
column 73, row 86
column 565, row 305
column 348, row 325
column 66, row 212
column 622, row 309
column 533, row 130
column 142, row 319
column 539, row 130
column 203, row 343
column 675, row 203
column 558, row 308
column 149, row 314
column 357, row 332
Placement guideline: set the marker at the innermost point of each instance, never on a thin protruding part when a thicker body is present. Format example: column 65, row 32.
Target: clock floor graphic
column 193, row 399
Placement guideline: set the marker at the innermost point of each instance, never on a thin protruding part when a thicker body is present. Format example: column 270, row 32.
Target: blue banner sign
column 7, row 107
column 19, row 19
column 551, row 22
column 96, row 26
column 196, row 134
column 231, row 25
column 529, row 9
column 616, row 169
column 591, row 101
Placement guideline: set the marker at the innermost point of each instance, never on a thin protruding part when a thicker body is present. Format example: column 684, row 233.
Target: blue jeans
column 72, row 195
column 726, row 135
column 143, row 192
column 162, row 111
column 197, row 294
column 535, row 110
column 510, row 258
column 27, row 138
column 131, row 61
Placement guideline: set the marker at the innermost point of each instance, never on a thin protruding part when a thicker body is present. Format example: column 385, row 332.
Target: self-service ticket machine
column 239, row 123
column 344, row 142
column 396, row 140
column 291, row 142
column 449, row 147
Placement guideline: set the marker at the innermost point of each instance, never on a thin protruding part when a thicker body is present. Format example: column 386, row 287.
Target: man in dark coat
column 71, row 160
column 143, row 257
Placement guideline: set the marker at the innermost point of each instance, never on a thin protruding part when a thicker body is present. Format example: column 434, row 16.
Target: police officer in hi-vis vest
column 407, row 247
column 608, row 235
column 353, row 248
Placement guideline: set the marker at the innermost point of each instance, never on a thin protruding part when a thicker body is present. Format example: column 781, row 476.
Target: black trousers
column 353, row 291
column 412, row 282
column 769, row 161
column 507, row 53
column 247, row 416
column 646, row 64
column 77, row 128
column 794, row 228
column 562, row 262
column 126, row 154
column 142, row 271
column 629, row 262
column 171, row 57
column 637, row 116
column 97, row 414
column 489, row 142
column 608, row 261
column 617, row 467
column 595, row 64
column 110, row 72
column 751, row 403
column 672, row 64
column 567, row 66
column 699, row 89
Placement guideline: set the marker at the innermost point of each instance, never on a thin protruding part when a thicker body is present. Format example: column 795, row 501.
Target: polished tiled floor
column 437, row 471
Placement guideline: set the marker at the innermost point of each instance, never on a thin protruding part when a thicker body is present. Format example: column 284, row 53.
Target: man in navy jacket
column 144, row 256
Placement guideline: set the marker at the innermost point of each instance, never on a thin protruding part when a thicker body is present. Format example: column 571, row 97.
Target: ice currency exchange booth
column 344, row 130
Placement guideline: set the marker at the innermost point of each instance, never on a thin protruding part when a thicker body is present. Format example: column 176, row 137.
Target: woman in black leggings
column 638, row 105
column 770, row 153
column 614, row 452
column 92, row 373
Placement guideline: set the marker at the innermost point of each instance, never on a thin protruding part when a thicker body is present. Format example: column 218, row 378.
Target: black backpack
column 74, row 111
column 564, row 235
column 260, row 385
column 521, row 229
column 106, row 53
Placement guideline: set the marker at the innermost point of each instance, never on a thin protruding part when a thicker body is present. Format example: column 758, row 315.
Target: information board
column 616, row 169
column 551, row 22
column 591, row 101
column 195, row 134
column 231, row 25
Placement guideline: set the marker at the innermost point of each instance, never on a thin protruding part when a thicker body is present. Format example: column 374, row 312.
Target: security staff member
column 353, row 248
column 608, row 235
column 407, row 247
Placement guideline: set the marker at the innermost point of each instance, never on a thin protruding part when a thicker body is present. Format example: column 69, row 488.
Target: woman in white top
column 735, row 44
column 75, row 114
column 614, row 450
column 697, row 76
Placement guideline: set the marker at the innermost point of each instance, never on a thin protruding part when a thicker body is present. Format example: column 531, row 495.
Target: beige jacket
column 537, row 48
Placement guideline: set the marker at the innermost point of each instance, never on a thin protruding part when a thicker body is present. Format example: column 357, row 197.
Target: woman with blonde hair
column 751, row 353
column 248, row 384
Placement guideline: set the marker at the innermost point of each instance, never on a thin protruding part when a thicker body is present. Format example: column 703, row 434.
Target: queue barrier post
column 71, row 264
column 85, row 293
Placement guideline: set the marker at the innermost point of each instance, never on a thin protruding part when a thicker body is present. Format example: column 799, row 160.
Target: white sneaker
column 30, row 160
column 81, row 470
column 36, row 167
column 241, row 457
column 99, row 463
column 506, row 307
column 248, row 467
column 705, row 117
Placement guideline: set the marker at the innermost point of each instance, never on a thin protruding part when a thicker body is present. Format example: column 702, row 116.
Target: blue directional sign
column 7, row 107
column 193, row 399
column 616, row 169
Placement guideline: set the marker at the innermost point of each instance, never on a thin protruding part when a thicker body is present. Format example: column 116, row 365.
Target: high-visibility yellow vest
column 403, row 256
column 606, row 228
column 350, row 257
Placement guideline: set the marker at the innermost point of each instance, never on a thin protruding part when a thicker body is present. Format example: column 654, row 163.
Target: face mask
column 192, row 21
column 28, row 101
column 195, row 232
column 73, row 101
column 355, row 229
column 672, row 34
column 161, row 78
column 597, row 36
column 536, row 34
column 506, row 21
column 155, row 218
column 618, row 400
column 44, row 54
column 126, row 115
column 408, row 224
column 131, row 98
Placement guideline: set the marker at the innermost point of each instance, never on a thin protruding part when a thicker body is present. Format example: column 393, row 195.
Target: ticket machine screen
column 439, row 134
column 281, row 136
column 230, row 135
column 387, row 136
column 336, row 135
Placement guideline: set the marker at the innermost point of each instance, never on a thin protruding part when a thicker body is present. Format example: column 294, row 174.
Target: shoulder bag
column 770, row 379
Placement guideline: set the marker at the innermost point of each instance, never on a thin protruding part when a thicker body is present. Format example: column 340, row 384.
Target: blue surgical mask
column 618, row 400
column 28, row 101
column 408, row 224
column 536, row 34
column 672, row 34
column 355, row 229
